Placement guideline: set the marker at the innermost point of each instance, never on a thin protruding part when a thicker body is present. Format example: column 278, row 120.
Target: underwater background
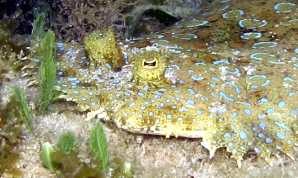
column 58, row 141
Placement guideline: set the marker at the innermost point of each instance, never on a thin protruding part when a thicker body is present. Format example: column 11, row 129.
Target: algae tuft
column 47, row 70
column 23, row 108
column 98, row 143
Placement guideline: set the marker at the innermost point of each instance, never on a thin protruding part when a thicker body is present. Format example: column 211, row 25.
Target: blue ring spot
column 204, row 22
column 190, row 71
column 124, row 114
column 183, row 109
column 234, row 114
column 261, row 135
column 230, row 144
column 60, row 46
column 291, row 94
column 190, row 36
column 270, row 110
column 140, row 94
column 222, row 94
column 281, row 104
column 264, row 44
column 221, row 61
column 200, row 63
column 60, row 73
column 268, row 140
column 280, row 135
column 245, row 103
column 90, row 93
column 132, row 105
column 254, row 129
column 36, row 60
column 287, row 4
column 190, row 101
column 71, row 79
column 228, row 135
column 278, row 147
column 143, row 108
column 258, row 22
column 251, row 35
column 76, row 92
column 262, row 125
column 233, row 13
column 215, row 78
column 197, row 78
column 254, row 86
column 288, row 79
column 176, row 66
column 247, row 111
column 181, row 81
column 151, row 114
column 191, row 91
column 289, row 142
column 204, row 98
column 243, row 135
column 294, row 111
column 212, row 85
column 199, row 112
column 263, row 100
column 257, row 150
column 281, row 125
column 259, row 56
column 175, row 50
column 169, row 116
column 108, row 66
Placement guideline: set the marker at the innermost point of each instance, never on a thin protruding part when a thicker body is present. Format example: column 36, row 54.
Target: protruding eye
column 150, row 64
column 149, row 68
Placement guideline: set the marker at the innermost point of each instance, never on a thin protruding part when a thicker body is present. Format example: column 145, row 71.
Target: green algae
column 98, row 143
column 62, row 159
column 23, row 108
column 12, row 116
column 120, row 168
column 47, row 70
column 67, row 142
column 38, row 26
column 46, row 152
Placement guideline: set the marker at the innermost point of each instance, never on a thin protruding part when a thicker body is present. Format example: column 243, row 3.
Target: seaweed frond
column 62, row 159
column 23, row 108
column 38, row 26
column 67, row 142
column 98, row 144
column 46, row 153
column 47, row 70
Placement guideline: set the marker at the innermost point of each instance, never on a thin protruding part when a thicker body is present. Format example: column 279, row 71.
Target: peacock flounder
column 228, row 74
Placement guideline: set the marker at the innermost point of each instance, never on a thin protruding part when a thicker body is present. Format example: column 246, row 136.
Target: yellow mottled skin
column 102, row 48
column 227, row 74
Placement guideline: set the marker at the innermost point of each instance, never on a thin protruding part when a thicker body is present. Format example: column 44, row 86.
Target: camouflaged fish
column 227, row 74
